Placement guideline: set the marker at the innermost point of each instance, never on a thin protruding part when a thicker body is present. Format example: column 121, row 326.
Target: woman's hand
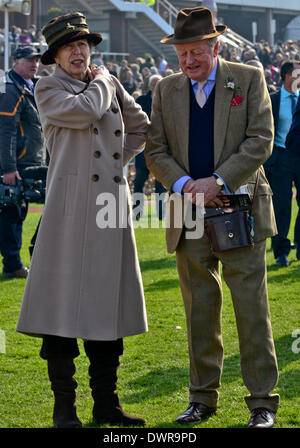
column 99, row 70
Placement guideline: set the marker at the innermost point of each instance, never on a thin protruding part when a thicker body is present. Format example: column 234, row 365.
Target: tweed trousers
column 244, row 271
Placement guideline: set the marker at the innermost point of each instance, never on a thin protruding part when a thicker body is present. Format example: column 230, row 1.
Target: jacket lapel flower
column 237, row 91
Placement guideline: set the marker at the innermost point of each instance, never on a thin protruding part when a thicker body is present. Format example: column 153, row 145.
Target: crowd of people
column 134, row 73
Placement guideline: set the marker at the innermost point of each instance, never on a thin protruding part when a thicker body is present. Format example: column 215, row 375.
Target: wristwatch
column 218, row 181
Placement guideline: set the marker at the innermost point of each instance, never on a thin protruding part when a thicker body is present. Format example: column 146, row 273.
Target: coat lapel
column 181, row 117
column 223, row 97
column 75, row 85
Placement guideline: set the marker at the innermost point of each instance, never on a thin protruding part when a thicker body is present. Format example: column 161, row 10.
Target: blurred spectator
column 123, row 71
column 14, row 34
column 137, row 76
column 225, row 52
column 129, row 85
column 274, row 71
column 162, row 64
column 32, row 33
column 24, row 38
column 270, row 83
column 2, row 42
column 146, row 75
column 97, row 59
column 149, row 62
column 255, row 63
column 278, row 60
column 250, row 55
column 142, row 172
column 283, row 167
column 168, row 72
column 40, row 38
column 136, row 94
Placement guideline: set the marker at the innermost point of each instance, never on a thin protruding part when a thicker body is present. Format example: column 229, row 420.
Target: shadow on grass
column 158, row 382
column 161, row 263
column 289, row 272
column 288, row 382
column 163, row 382
column 162, row 285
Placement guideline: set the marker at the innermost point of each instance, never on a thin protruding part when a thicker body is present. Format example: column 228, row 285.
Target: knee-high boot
column 103, row 381
column 61, row 370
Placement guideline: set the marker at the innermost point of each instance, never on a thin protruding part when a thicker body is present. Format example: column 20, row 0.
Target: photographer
column 21, row 146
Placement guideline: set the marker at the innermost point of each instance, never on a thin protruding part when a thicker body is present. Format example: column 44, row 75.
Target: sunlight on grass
column 153, row 377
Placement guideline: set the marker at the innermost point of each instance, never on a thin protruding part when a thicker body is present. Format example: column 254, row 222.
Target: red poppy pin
column 237, row 97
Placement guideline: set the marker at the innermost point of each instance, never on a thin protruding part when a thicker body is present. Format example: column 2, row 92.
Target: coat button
column 117, row 179
column 97, row 154
column 115, row 110
column 118, row 133
column 95, row 130
column 95, row 177
column 116, row 155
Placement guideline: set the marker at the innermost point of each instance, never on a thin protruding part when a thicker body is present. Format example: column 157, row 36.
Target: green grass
column 153, row 377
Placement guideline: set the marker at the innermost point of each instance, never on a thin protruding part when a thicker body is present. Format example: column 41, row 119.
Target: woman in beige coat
column 84, row 280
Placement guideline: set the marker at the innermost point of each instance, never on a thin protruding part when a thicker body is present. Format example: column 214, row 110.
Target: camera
column 32, row 188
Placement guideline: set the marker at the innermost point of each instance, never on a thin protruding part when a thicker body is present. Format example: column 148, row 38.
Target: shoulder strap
column 255, row 192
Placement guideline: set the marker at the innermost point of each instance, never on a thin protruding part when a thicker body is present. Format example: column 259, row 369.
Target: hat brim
column 47, row 58
column 172, row 40
column 34, row 55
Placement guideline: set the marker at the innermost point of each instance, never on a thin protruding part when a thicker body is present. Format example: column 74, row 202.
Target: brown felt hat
column 192, row 25
column 64, row 29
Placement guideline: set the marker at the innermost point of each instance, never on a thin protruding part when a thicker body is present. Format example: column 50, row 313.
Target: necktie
column 294, row 102
column 200, row 95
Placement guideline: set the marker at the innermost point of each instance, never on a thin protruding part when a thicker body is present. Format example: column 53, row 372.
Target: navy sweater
column 201, row 137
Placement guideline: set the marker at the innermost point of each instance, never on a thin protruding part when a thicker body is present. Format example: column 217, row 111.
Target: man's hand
column 208, row 187
column 10, row 178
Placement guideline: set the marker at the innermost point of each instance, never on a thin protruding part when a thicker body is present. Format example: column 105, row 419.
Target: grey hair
column 212, row 41
column 155, row 77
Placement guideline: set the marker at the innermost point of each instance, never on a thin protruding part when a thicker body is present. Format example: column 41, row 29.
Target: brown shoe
column 195, row 413
column 20, row 273
column 261, row 418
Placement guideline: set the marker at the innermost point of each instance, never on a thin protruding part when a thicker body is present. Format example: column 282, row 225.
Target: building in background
column 272, row 17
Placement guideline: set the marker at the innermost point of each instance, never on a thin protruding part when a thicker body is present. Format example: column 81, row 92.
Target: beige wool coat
column 84, row 280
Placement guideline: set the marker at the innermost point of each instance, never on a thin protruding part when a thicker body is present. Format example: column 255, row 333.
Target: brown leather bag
column 230, row 230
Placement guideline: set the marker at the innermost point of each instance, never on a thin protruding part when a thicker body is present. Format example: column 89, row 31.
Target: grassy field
column 153, row 377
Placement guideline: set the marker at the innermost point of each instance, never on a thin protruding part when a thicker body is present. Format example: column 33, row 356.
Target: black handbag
column 231, row 228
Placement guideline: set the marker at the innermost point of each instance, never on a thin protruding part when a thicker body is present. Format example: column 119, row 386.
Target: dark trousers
column 11, row 222
column 282, row 172
column 141, row 175
column 56, row 346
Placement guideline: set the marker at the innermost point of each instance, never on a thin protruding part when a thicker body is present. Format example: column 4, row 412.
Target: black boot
column 61, row 370
column 103, row 382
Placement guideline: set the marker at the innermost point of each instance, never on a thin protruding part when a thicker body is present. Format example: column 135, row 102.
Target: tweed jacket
column 243, row 138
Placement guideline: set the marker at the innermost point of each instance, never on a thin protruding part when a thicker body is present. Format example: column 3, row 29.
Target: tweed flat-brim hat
column 64, row 29
column 192, row 25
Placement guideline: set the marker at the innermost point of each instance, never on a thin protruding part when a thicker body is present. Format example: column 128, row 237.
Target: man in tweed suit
column 212, row 128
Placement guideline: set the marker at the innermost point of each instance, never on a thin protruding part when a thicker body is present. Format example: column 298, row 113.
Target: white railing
column 163, row 8
column 169, row 13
